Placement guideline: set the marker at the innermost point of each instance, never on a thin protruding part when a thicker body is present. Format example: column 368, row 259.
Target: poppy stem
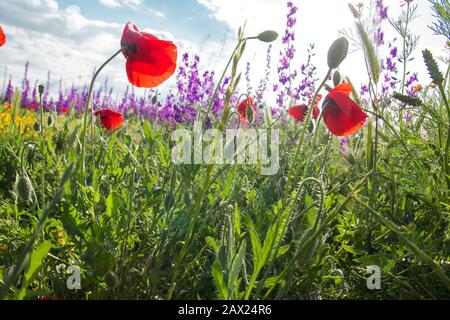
column 302, row 135
column 88, row 101
column 213, row 98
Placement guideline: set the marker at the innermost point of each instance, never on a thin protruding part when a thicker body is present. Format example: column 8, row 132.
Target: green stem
column 302, row 135
column 91, row 88
column 223, row 74
column 41, row 109
column 404, row 36
column 447, row 145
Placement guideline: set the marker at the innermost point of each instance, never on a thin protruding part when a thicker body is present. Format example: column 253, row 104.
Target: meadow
column 92, row 205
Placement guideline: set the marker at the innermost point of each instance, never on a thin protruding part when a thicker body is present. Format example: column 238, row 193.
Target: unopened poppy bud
column 268, row 36
column 8, row 274
column 41, row 89
column 337, row 78
column 337, row 52
column 24, row 188
column 250, row 114
column 111, row 279
column 50, row 121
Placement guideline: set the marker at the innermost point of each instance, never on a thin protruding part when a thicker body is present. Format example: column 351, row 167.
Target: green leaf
column 256, row 244
column 36, row 261
column 112, row 204
column 236, row 266
column 218, row 280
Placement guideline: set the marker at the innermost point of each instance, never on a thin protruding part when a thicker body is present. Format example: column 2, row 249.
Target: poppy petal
column 150, row 61
column 2, row 37
column 344, row 87
column 110, row 119
column 298, row 112
column 242, row 108
column 342, row 100
column 340, row 123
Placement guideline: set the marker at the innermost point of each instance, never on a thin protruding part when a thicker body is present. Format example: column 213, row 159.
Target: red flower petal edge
column 110, row 119
column 299, row 112
column 150, row 61
column 341, row 114
column 242, row 108
column 2, row 37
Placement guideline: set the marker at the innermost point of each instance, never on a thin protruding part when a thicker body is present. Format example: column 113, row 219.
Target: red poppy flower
column 150, row 61
column 341, row 114
column 33, row 106
column 110, row 119
column 299, row 112
column 2, row 37
column 242, row 108
column 64, row 110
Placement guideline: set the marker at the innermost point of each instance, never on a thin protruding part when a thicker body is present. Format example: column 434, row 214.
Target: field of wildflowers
column 92, row 205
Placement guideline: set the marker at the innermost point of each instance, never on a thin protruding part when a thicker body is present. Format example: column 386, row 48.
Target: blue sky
column 188, row 19
column 71, row 37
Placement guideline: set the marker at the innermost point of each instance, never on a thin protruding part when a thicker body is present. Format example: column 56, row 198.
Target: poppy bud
column 41, row 89
column 24, row 188
column 37, row 127
column 155, row 99
column 250, row 114
column 337, row 78
column 337, row 52
column 268, row 36
column 111, row 279
column 8, row 274
column 50, row 121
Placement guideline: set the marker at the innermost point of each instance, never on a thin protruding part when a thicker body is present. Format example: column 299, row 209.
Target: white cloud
column 111, row 3
column 133, row 4
column 64, row 42
column 319, row 22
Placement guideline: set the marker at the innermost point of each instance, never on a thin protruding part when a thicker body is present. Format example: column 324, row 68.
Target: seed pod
column 268, row 36
column 8, row 274
column 250, row 114
column 24, row 188
column 111, row 279
column 337, row 78
column 41, row 89
column 50, row 121
column 337, row 52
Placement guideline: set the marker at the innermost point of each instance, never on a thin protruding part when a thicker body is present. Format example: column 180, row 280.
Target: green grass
column 140, row 227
